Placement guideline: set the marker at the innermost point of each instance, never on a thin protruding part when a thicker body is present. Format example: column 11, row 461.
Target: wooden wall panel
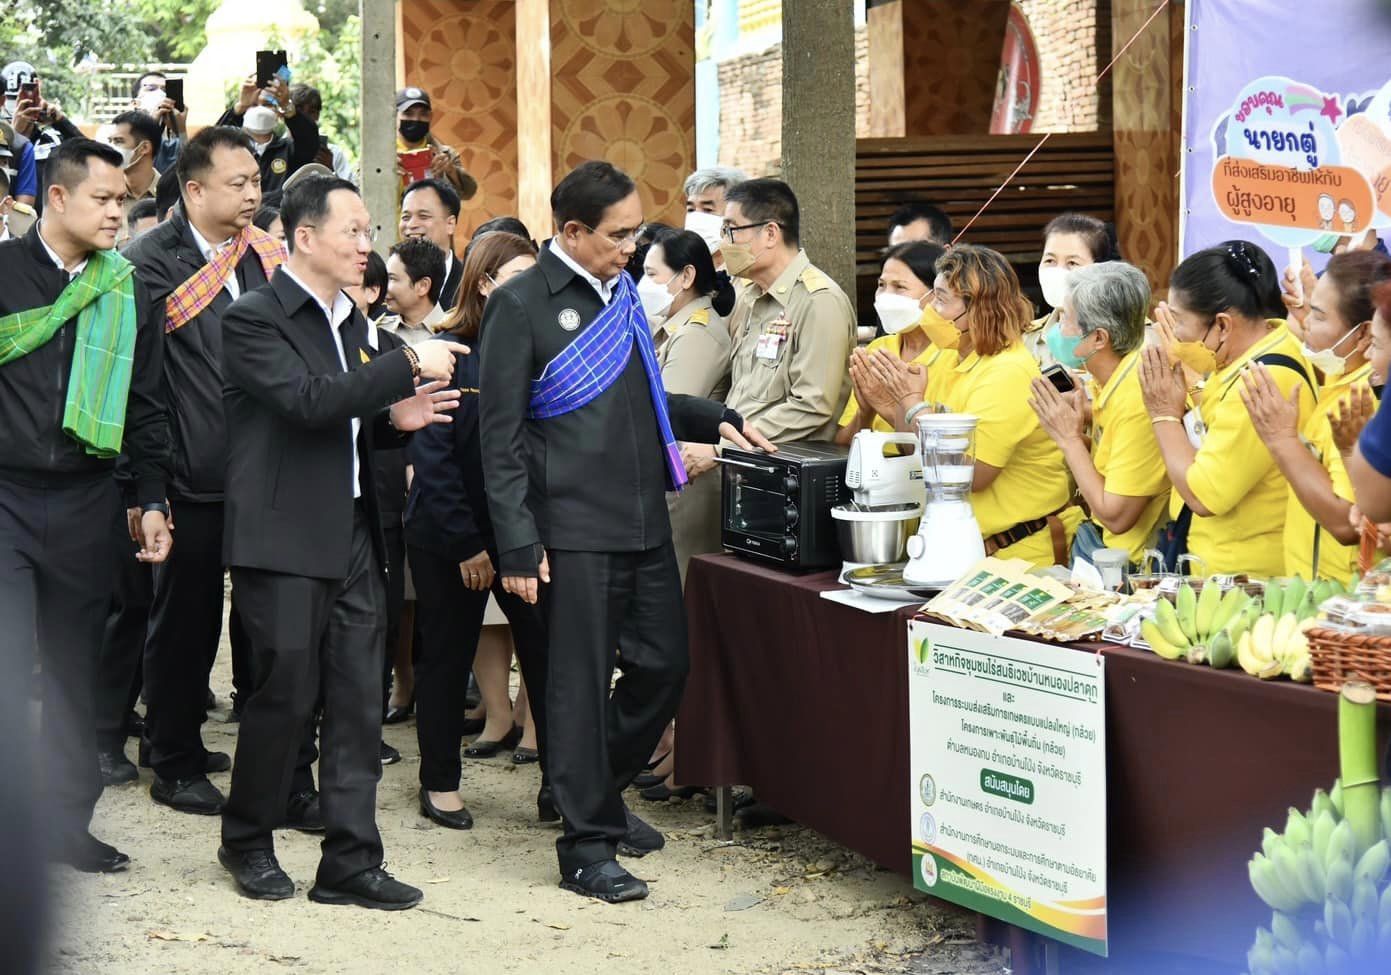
column 951, row 64
column 464, row 54
column 885, row 28
column 623, row 89
column 1145, row 136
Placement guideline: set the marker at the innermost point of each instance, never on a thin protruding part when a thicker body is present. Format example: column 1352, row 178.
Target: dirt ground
column 778, row 899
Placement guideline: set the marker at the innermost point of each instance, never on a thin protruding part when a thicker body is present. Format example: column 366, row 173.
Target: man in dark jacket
column 577, row 471
column 194, row 266
column 305, row 404
column 259, row 112
column 79, row 383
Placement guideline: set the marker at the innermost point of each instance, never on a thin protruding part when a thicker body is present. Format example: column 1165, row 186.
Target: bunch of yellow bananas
column 1200, row 628
column 1276, row 644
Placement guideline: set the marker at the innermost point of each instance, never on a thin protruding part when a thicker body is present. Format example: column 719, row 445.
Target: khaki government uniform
column 693, row 349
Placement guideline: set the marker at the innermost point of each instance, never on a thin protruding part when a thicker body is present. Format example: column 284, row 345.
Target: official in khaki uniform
column 693, row 349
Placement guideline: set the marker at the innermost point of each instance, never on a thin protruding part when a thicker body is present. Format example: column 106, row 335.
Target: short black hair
column 196, row 157
column 587, row 191
column 265, row 217
column 769, row 200
column 507, row 225
column 647, row 234
column 920, row 256
column 686, row 248
column 422, row 259
column 69, row 164
column 374, row 276
column 1098, row 235
column 143, row 126
column 307, row 202
column 306, row 98
column 138, row 82
column 447, row 194
column 167, row 192
column 1233, row 275
column 939, row 225
column 142, row 210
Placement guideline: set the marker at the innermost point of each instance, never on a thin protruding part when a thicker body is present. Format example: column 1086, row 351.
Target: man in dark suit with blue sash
column 579, row 449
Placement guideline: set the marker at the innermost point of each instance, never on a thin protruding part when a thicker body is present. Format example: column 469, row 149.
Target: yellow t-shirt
column 1127, row 455
column 1233, row 474
column 939, row 363
column 1033, row 479
column 1336, row 561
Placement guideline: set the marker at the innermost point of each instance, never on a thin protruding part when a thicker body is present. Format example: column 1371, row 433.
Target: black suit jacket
column 165, row 258
column 449, row 291
column 289, row 408
column 448, row 509
column 594, row 479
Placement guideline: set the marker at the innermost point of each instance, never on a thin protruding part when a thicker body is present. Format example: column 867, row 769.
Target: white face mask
column 150, row 101
column 260, row 120
column 1328, row 361
column 655, row 298
column 707, row 225
column 897, row 313
column 1053, row 281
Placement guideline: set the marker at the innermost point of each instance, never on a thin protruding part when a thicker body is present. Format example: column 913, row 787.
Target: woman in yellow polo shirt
column 1227, row 489
column 1101, row 327
column 1319, row 539
column 881, row 389
column 1020, row 493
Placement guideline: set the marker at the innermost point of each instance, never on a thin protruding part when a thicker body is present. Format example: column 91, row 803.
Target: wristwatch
column 161, row 506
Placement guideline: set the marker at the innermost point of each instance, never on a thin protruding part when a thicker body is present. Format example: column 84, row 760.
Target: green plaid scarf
column 102, row 298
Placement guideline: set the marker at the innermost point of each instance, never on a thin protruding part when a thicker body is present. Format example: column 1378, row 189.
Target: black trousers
column 599, row 741
column 450, row 619
column 395, row 535
column 312, row 637
column 241, row 653
column 119, row 664
column 55, row 591
column 185, row 628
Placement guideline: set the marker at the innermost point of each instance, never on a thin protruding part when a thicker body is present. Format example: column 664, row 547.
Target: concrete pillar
column 379, row 180
column 818, row 129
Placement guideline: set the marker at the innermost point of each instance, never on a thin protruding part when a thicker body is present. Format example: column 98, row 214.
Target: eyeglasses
column 352, row 233
column 618, row 240
column 728, row 231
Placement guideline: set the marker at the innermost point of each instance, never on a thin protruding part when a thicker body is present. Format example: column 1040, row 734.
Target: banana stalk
column 1358, row 762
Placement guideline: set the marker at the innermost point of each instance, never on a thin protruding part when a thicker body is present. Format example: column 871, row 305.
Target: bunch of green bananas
column 1200, row 628
column 1332, row 906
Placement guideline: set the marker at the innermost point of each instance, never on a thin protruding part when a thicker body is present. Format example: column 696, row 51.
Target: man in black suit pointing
column 306, row 400
column 579, row 448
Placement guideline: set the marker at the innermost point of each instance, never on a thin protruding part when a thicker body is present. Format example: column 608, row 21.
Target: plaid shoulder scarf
column 594, row 361
column 190, row 298
column 102, row 298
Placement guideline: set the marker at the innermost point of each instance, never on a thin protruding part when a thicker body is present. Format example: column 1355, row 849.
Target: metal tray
column 885, row 582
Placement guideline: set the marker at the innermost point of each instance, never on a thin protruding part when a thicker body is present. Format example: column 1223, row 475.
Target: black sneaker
column 194, row 795
column 302, row 812
column 641, row 839
column 257, row 873
column 390, row 756
column 606, row 881
column 373, row 888
column 116, row 769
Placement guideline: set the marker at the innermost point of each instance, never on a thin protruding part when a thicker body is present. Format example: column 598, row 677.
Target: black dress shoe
column 194, row 795
column 756, row 814
column 451, row 818
column 373, row 888
column 395, row 715
column 90, row 855
column 525, row 756
column 390, row 756
column 605, row 881
column 302, row 812
column 661, row 792
column 641, row 839
column 116, row 769
column 217, row 762
column 135, row 725
column 545, row 806
column 487, row 749
column 647, row 780
column 257, row 873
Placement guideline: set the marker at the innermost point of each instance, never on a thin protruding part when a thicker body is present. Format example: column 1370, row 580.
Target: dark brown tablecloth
column 806, row 701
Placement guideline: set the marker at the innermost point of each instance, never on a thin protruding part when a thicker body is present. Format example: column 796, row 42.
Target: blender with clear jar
column 948, row 541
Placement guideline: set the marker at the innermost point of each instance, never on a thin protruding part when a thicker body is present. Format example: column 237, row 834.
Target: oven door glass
column 756, row 504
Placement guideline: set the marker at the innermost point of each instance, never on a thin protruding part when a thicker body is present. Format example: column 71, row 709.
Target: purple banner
column 1287, row 123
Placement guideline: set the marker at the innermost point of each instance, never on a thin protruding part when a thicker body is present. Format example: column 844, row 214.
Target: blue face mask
column 1063, row 348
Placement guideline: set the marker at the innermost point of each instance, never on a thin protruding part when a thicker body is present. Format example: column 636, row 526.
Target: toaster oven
column 776, row 508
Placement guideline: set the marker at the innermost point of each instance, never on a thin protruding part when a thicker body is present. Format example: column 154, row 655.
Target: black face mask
column 414, row 130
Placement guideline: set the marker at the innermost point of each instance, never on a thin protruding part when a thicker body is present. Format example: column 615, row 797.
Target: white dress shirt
column 604, row 289
column 53, row 256
column 209, row 251
column 334, row 317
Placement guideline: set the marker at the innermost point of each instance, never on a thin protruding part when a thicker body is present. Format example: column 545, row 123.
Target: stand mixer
column 948, row 540
column 887, row 499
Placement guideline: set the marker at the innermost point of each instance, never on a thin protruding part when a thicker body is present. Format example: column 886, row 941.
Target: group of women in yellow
column 1215, row 423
